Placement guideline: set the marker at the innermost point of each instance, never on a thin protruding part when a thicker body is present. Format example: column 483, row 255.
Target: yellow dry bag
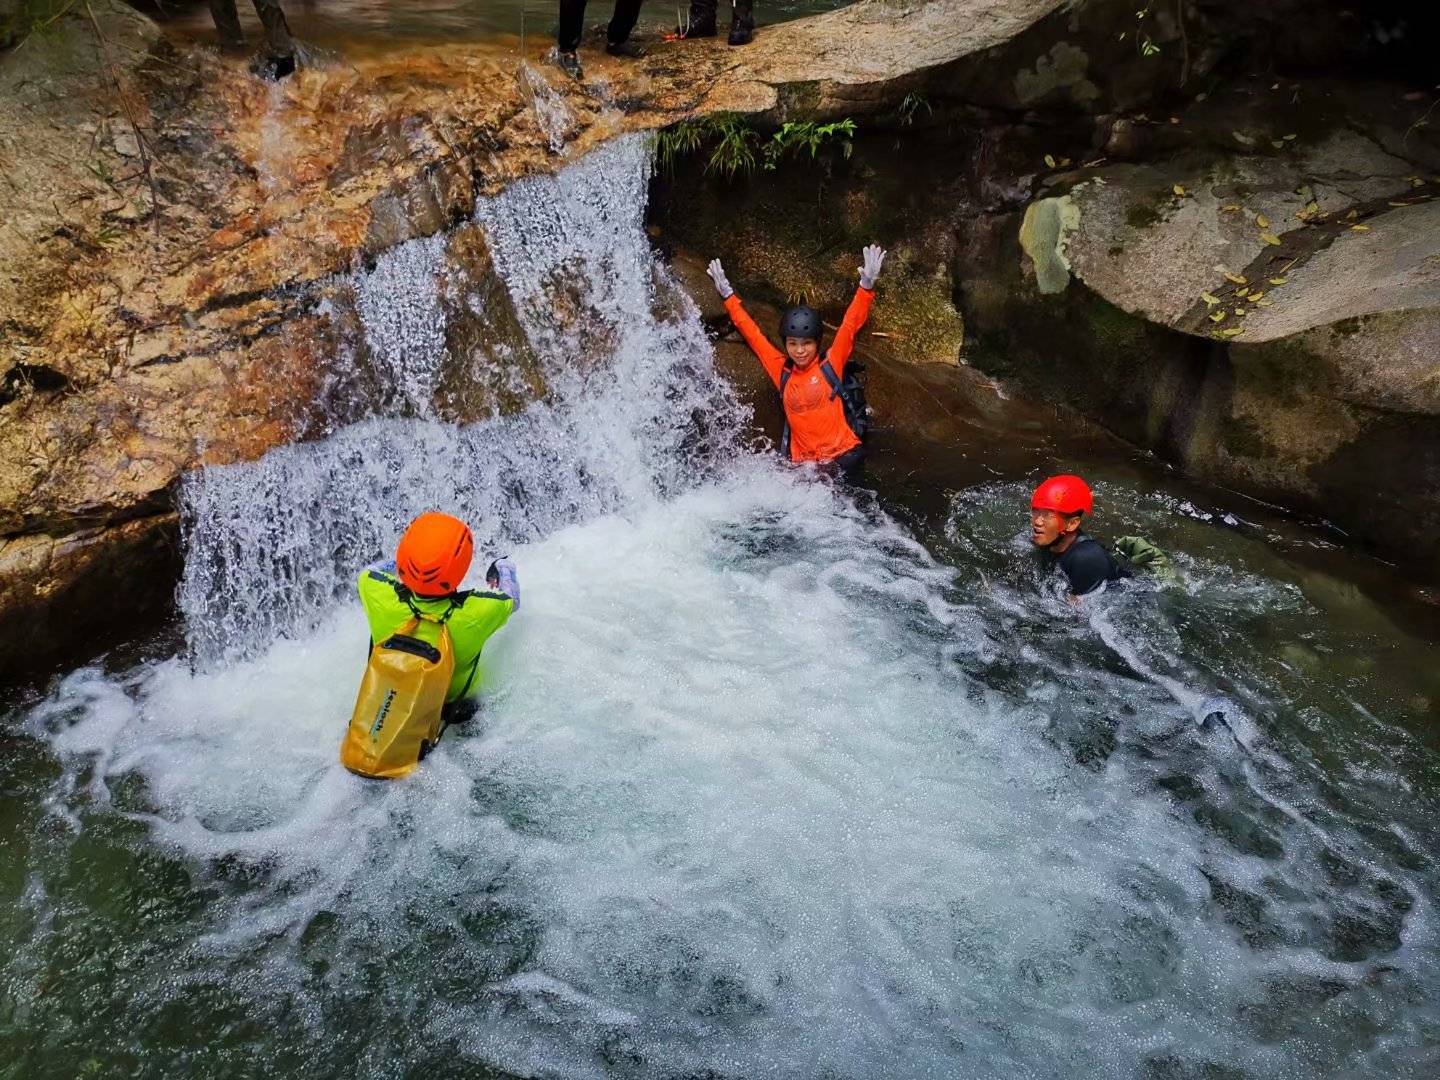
column 397, row 715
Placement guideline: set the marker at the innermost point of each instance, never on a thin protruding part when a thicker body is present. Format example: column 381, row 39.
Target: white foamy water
column 760, row 786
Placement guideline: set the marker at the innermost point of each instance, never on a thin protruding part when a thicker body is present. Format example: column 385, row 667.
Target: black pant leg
column 572, row 25
column 851, row 465
column 743, row 17
column 623, row 20
column 703, row 12
column 278, row 41
column 227, row 22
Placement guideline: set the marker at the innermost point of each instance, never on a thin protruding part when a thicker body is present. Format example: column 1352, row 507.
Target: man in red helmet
column 424, row 579
column 1057, row 509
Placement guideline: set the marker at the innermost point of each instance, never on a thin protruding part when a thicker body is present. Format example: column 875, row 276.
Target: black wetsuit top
column 1087, row 565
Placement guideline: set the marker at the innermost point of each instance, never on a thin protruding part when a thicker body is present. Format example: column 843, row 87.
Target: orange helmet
column 1065, row 495
column 434, row 554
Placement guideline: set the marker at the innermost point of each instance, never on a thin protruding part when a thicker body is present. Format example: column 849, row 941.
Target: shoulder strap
column 830, row 376
column 403, row 591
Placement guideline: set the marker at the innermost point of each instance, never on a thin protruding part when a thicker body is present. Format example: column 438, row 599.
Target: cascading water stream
column 762, row 785
column 270, row 544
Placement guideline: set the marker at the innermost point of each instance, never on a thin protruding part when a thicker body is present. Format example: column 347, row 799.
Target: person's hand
column 874, row 256
column 502, row 576
column 722, row 283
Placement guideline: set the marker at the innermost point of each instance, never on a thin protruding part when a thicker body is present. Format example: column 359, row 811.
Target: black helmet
column 801, row 322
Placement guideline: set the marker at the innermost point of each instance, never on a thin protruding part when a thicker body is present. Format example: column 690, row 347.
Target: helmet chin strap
column 1061, row 537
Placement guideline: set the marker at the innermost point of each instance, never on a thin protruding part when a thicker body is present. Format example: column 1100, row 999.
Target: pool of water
column 771, row 778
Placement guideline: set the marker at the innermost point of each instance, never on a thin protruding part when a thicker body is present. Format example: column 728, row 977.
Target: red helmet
column 1064, row 495
column 434, row 554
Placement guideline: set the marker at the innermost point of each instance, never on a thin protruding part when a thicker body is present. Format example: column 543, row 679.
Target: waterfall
column 633, row 411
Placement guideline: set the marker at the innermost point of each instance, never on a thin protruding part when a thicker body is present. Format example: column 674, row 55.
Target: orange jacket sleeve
column 771, row 358
column 855, row 316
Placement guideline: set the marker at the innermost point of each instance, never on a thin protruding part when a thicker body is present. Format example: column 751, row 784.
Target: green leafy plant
column 910, row 108
column 732, row 141
column 807, row 138
column 1143, row 41
column 678, row 142
column 735, row 146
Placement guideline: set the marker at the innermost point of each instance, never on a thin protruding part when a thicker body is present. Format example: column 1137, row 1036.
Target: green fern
column 736, row 147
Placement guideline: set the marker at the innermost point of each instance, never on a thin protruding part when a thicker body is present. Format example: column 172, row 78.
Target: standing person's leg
column 627, row 12
column 278, row 42
column 227, row 22
column 277, row 56
column 850, row 466
column 702, row 19
column 567, row 37
column 572, row 24
column 742, row 22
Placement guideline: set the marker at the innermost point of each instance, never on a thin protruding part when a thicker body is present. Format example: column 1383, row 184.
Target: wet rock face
column 95, row 584
column 796, row 236
column 1268, row 320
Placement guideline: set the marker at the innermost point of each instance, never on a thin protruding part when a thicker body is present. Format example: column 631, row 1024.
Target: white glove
column 874, row 260
column 502, row 575
column 722, row 283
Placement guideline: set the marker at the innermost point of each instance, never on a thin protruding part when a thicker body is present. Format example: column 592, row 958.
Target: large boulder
column 1268, row 320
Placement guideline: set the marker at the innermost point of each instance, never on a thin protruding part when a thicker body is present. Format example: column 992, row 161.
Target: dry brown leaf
column 1278, row 280
column 1263, row 303
column 1231, row 331
column 1359, row 228
column 1242, row 292
column 1256, row 295
column 1270, row 238
column 1238, row 279
column 1229, row 209
column 1049, row 162
column 1179, row 190
column 1262, row 221
column 1210, row 299
column 1217, row 316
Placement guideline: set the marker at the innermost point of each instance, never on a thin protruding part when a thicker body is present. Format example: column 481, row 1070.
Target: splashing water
column 762, row 786
column 551, row 113
column 399, row 306
column 634, row 411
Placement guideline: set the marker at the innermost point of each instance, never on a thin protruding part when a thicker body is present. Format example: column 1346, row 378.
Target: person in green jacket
column 424, row 579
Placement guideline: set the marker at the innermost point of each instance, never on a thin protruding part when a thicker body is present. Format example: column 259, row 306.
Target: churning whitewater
column 761, row 785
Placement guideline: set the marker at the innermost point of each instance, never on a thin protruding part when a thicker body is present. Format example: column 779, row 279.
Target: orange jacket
column 818, row 431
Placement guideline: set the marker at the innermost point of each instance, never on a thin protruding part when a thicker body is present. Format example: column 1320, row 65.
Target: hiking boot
column 627, row 49
column 741, row 35
column 704, row 28
column 569, row 63
column 273, row 68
